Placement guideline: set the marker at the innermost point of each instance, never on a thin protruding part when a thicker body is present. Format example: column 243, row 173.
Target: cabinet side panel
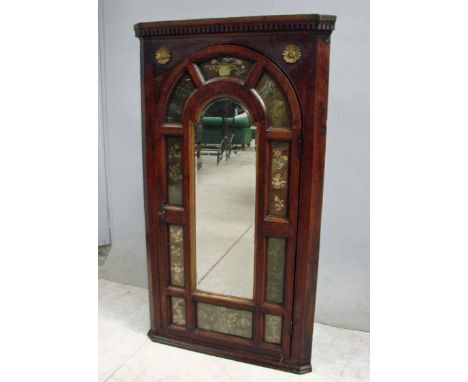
column 149, row 175
column 310, row 200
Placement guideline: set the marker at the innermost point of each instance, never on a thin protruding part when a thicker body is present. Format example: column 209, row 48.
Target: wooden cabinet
column 215, row 287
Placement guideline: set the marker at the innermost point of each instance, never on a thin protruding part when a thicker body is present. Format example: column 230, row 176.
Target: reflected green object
column 239, row 121
column 238, row 125
column 272, row 329
column 224, row 320
column 178, row 310
column 275, row 102
column 182, row 91
column 225, row 67
column 275, row 269
column 236, row 119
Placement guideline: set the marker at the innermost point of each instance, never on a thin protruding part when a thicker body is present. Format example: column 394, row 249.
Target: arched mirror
column 225, row 169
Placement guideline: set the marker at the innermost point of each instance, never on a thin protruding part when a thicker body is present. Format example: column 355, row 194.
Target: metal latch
column 162, row 209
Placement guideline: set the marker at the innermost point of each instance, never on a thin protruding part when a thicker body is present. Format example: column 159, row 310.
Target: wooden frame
column 304, row 83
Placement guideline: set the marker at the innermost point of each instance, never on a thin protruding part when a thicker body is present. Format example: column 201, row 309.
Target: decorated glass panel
column 174, row 170
column 226, row 67
column 275, row 102
column 275, row 269
column 176, row 254
column 278, row 203
column 182, row 91
column 272, row 329
column 224, row 320
column 178, row 310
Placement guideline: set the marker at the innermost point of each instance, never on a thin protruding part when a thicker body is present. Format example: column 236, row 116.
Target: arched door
column 256, row 324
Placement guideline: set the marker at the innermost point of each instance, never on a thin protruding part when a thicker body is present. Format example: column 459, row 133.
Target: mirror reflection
column 225, row 168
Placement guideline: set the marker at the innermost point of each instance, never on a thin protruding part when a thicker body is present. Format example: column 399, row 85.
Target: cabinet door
column 227, row 134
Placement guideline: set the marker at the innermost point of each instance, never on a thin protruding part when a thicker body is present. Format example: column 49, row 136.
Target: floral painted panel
column 182, row 91
column 226, row 67
column 224, row 320
column 176, row 254
column 278, row 203
column 272, row 329
column 275, row 101
column 178, row 310
column 275, row 269
column 174, row 170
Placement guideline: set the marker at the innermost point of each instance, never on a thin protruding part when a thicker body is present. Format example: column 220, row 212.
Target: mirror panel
column 225, row 199
column 272, row 329
column 226, row 66
column 174, row 170
column 182, row 91
column 275, row 270
column 275, row 102
column 224, row 320
column 178, row 311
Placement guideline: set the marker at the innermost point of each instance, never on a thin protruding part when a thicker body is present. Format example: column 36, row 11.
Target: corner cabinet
column 234, row 122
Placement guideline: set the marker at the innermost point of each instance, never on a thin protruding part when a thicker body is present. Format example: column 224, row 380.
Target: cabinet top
column 252, row 24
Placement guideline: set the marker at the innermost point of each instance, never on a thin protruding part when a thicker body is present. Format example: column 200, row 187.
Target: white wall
column 343, row 284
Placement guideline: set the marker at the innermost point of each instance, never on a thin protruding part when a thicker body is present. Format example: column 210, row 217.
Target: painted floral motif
column 275, row 101
column 275, row 269
column 176, row 254
column 278, row 203
column 174, row 170
column 175, row 174
column 175, row 152
column 272, row 328
column 178, row 310
column 278, row 182
column 224, row 320
column 225, row 67
column 279, row 159
column 279, row 179
column 180, row 95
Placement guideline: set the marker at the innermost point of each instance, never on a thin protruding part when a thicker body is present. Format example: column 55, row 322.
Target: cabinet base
column 255, row 359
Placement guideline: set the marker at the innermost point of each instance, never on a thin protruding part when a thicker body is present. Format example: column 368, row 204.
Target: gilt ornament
column 163, row 56
column 291, row 53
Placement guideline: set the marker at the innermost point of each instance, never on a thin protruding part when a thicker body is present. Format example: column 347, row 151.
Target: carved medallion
column 291, row 53
column 163, row 56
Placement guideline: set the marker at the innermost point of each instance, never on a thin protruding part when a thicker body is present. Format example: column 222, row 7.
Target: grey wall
column 343, row 285
column 104, row 226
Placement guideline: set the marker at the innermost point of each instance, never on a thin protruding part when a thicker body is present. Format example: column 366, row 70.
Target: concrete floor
column 225, row 214
column 127, row 355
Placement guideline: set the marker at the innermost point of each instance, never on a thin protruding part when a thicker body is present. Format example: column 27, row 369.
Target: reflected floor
column 225, row 199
